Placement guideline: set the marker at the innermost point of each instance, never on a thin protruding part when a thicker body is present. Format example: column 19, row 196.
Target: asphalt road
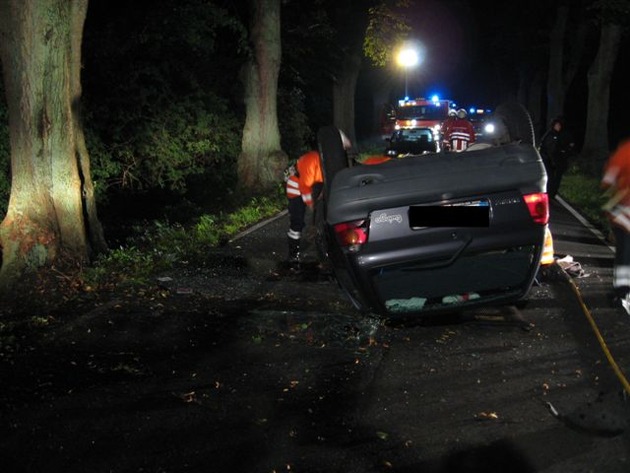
column 244, row 366
column 543, row 387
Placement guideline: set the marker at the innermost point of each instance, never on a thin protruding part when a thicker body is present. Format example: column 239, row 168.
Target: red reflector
column 351, row 233
column 538, row 206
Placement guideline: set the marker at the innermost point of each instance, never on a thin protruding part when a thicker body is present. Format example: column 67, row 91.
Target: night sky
column 473, row 50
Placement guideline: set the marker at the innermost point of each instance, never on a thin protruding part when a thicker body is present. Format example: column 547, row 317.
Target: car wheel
column 332, row 154
column 516, row 123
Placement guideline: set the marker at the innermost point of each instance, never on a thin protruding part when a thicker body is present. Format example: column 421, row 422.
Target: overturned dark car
column 437, row 232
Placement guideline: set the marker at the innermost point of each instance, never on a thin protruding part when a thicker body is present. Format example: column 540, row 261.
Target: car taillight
column 538, row 206
column 352, row 234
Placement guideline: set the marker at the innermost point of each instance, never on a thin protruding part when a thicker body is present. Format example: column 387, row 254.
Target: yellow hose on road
column 620, row 375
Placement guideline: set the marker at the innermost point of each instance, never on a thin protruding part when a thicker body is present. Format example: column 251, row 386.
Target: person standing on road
column 556, row 149
column 304, row 182
column 616, row 183
column 460, row 133
column 446, row 124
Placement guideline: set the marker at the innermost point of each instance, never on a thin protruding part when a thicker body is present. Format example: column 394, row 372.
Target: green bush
column 164, row 145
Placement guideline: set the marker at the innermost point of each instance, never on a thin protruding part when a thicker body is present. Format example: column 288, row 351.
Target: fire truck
column 417, row 113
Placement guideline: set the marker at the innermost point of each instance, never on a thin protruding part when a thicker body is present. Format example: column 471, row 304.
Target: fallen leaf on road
column 487, row 416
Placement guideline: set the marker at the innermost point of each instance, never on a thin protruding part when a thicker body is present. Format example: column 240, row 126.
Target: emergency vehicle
column 417, row 113
column 479, row 118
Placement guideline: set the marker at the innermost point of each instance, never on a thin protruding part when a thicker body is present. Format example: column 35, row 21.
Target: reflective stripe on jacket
column 293, row 187
column 460, row 134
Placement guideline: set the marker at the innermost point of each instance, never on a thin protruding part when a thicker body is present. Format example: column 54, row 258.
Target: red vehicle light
column 538, row 206
column 352, row 233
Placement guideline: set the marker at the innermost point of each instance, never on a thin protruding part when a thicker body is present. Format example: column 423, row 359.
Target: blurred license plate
column 474, row 213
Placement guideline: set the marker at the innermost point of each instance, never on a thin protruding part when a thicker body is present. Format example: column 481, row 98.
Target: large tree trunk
column 51, row 212
column 596, row 148
column 381, row 97
column 555, row 89
column 344, row 91
column 534, row 101
column 562, row 66
column 262, row 161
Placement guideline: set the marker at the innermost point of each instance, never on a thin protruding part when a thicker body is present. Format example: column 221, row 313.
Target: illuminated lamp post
column 407, row 58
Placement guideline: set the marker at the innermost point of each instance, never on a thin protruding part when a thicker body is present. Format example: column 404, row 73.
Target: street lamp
column 407, row 58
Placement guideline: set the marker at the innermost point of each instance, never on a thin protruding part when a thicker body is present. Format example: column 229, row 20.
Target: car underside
column 437, row 232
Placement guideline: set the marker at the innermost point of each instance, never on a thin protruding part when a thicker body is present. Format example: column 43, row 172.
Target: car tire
column 332, row 155
column 517, row 123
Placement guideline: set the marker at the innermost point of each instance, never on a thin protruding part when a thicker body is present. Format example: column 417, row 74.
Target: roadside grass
column 159, row 244
column 584, row 194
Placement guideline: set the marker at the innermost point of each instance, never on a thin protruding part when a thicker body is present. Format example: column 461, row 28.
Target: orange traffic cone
column 547, row 254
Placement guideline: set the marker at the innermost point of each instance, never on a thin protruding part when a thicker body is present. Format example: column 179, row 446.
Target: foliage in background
column 163, row 104
column 295, row 132
column 611, row 11
column 387, row 27
column 175, row 139
column 157, row 94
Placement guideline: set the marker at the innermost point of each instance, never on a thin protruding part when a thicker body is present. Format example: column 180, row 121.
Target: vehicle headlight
column 489, row 128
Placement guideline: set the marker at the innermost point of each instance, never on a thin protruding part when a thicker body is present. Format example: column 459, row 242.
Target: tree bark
column 555, row 89
column 563, row 66
column 596, row 147
column 262, row 161
column 344, row 91
column 531, row 90
column 51, row 212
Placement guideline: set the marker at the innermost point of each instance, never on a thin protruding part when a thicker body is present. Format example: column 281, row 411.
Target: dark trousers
column 555, row 174
column 297, row 213
column 297, row 209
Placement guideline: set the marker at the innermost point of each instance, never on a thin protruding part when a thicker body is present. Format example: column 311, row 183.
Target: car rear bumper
column 452, row 272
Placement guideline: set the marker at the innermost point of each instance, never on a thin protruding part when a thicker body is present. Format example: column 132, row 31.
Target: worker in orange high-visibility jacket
column 304, row 182
column 616, row 183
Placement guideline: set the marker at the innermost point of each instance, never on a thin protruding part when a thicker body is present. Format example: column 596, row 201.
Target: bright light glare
column 408, row 58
